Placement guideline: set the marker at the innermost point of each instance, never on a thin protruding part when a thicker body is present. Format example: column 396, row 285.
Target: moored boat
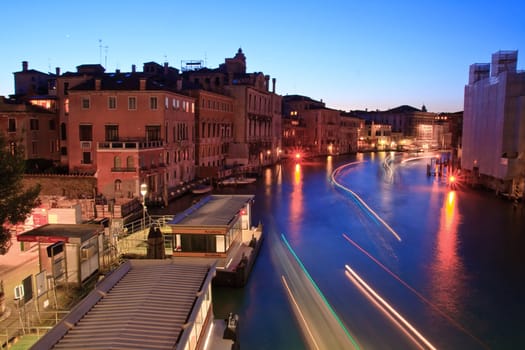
column 201, row 189
column 238, row 181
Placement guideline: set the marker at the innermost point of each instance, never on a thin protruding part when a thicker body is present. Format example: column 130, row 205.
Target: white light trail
column 386, row 305
column 361, row 201
column 299, row 313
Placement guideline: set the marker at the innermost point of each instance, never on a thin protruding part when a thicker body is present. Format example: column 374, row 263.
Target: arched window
column 116, row 162
column 118, row 184
column 130, row 162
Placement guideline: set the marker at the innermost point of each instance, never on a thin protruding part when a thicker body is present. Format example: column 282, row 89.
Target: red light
column 298, row 155
column 243, row 212
column 452, row 178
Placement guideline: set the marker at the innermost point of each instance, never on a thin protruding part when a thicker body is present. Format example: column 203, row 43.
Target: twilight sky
column 351, row 54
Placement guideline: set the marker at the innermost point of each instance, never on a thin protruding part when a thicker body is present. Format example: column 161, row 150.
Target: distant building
column 33, row 128
column 494, row 124
column 31, row 83
column 411, row 127
column 350, row 126
column 310, row 128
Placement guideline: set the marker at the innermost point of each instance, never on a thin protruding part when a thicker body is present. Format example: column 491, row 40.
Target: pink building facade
column 128, row 129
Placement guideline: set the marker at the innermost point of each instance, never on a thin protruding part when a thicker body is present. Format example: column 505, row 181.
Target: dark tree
column 16, row 201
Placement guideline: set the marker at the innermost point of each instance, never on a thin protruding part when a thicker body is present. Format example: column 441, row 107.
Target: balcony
column 130, row 144
column 124, row 170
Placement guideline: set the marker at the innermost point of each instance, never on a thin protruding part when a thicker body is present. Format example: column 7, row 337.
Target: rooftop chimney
column 24, row 65
column 273, row 85
column 133, row 68
column 57, row 70
column 165, row 68
column 97, row 84
column 142, row 84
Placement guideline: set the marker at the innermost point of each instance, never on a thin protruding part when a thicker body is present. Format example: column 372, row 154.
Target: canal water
column 380, row 256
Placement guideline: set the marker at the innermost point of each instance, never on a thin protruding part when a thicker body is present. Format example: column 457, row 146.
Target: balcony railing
column 124, row 170
column 131, row 144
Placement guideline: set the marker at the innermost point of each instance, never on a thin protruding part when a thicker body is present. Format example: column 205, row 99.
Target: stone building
column 312, row 129
column 31, row 127
column 214, row 117
column 132, row 128
column 494, row 124
column 411, row 127
column 257, row 110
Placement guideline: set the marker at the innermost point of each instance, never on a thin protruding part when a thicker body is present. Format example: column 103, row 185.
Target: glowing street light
column 143, row 192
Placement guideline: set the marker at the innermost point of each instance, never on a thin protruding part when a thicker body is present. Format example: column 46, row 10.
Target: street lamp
column 143, row 192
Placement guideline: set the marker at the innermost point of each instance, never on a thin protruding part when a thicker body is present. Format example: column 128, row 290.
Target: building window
column 86, row 157
column 130, row 162
column 118, row 185
column 63, row 134
column 117, row 164
column 166, row 102
column 66, row 106
column 85, row 132
column 111, row 132
column 85, row 103
column 112, row 102
column 153, row 102
column 34, row 148
column 153, row 132
column 11, row 126
column 52, row 124
column 132, row 103
column 33, row 124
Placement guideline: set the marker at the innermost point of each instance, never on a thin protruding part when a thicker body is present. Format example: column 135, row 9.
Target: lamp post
column 143, row 192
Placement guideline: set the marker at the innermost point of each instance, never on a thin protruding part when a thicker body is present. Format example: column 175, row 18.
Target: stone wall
column 70, row 186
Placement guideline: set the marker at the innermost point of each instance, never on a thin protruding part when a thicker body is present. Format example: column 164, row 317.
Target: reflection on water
column 447, row 268
column 461, row 257
column 296, row 203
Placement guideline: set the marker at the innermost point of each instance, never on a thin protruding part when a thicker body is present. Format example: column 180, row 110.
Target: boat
column 238, row 181
column 201, row 189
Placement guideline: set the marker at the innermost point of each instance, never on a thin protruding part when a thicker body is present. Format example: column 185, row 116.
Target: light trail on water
column 419, row 295
column 384, row 305
column 321, row 326
column 360, row 200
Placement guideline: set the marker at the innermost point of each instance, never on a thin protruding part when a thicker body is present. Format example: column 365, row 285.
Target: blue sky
column 351, row 54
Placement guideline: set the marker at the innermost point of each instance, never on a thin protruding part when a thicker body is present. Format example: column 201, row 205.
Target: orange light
column 298, row 155
column 452, row 178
